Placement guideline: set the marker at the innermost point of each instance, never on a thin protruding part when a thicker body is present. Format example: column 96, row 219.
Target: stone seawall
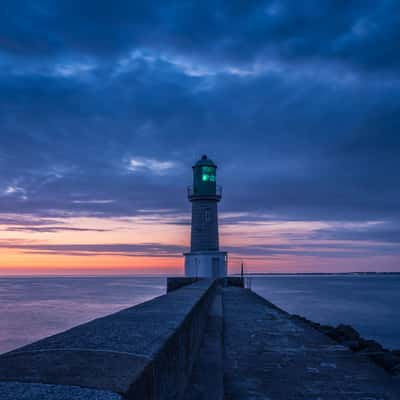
column 143, row 352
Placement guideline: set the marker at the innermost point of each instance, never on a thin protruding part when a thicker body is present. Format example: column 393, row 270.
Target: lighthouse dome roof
column 204, row 160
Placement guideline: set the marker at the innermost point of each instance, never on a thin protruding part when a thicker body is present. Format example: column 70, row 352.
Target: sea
column 368, row 302
column 35, row 307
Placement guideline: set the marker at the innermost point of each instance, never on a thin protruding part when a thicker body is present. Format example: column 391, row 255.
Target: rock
column 342, row 333
column 396, row 370
column 354, row 345
column 299, row 318
column 387, row 360
column 327, row 329
column 347, row 332
column 370, row 346
column 396, row 352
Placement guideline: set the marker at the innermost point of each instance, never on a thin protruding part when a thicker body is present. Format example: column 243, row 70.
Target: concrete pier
column 205, row 340
column 268, row 355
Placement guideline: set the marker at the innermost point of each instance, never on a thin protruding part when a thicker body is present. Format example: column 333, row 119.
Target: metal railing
column 218, row 191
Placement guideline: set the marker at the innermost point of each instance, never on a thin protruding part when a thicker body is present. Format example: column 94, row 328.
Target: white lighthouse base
column 206, row 264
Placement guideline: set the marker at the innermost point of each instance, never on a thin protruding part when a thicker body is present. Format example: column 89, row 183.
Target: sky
column 105, row 106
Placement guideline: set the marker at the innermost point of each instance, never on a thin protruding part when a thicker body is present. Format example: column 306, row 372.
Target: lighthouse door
column 215, row 267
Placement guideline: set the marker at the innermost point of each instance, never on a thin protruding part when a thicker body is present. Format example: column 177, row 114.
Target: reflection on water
column 32, row 308
column 371, row 303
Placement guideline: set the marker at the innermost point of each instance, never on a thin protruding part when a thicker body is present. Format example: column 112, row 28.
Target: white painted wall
column 210, row 264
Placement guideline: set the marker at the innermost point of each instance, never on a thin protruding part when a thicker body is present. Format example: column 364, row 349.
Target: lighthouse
column 204, row 259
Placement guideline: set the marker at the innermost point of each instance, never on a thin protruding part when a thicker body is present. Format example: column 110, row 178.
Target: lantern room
column 204, row 177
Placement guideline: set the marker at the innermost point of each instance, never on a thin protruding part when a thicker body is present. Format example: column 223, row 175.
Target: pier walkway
column 268, row 355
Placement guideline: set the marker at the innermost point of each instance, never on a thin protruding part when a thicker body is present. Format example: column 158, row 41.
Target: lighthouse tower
column 205, row 259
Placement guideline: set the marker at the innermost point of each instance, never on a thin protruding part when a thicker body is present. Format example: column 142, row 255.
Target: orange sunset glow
column 153, row 244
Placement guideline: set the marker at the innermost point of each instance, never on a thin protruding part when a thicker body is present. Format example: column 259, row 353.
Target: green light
column 208, row 174
column 208, row 178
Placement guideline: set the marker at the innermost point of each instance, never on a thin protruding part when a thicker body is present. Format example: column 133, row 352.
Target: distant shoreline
column 317, row 273
column 156, row 275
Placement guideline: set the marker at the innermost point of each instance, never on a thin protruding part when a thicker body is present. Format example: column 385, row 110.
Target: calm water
column 370, row 303
column 32, row 308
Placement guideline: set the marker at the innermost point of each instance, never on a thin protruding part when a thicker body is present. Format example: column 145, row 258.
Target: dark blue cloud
column 121, row 249
column 388, row 232
column 360, row 33
column 297, row 102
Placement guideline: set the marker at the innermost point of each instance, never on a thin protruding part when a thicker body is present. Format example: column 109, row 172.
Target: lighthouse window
column 208, row 178
column 208, row 174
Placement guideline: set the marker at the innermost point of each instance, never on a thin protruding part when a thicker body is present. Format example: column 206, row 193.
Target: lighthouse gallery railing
column 191, row 192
